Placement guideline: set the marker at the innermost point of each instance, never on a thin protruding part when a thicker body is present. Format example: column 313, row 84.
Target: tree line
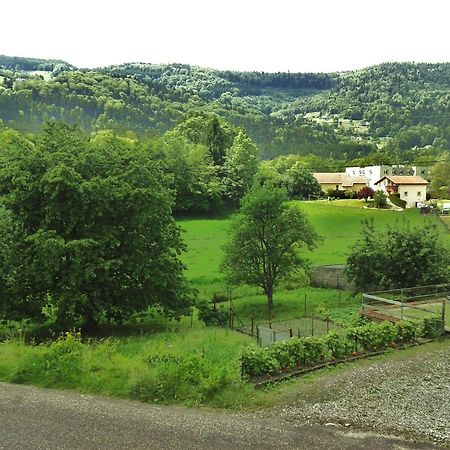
column 399, row 108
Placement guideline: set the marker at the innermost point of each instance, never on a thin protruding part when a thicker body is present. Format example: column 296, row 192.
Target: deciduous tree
column 266, row 238
column 97, row 239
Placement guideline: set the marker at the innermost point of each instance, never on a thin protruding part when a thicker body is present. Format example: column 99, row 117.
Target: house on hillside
column 374, row 173
column 412, row 189
column 340, row 182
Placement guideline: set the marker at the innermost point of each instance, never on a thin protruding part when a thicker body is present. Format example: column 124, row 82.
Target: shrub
column 431, row 327
column 397, row 201
column 406, row 331
column 258, row 361
column 59, row 364
column 311, row 350
column 338, row 344
column 211, row 315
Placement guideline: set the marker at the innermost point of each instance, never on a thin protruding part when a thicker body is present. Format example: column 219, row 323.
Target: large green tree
column 440, row 179
column 265, row 242
column 398, row 257
column 87, row 230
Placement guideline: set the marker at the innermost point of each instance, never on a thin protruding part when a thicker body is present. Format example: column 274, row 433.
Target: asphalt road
column 33, row 418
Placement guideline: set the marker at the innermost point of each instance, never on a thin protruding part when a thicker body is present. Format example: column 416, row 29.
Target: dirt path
column 32, row 418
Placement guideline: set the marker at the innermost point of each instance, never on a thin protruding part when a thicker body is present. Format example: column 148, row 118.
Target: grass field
column 338, row 222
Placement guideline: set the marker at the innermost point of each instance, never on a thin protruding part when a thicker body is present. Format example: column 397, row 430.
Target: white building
column 374, row 173
column 411, row 189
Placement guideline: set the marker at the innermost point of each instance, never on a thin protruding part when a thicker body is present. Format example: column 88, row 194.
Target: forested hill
column 403, row 107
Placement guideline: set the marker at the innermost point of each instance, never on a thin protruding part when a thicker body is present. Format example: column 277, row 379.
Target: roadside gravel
column 404, row 396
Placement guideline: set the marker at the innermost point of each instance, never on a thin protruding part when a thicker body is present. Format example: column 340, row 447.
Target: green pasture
column 337, row 222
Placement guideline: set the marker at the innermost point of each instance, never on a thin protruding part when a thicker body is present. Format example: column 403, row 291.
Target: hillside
column 347, row 115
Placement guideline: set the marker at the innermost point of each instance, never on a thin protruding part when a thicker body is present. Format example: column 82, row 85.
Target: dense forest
column 394, row 112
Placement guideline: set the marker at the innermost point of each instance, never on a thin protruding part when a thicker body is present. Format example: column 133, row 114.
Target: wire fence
column 268, row 333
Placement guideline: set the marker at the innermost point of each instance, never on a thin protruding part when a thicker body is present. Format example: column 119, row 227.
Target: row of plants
column 358, row 340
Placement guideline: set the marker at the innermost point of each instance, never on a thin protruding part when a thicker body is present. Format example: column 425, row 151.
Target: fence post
column 305, row 304
column 312, row 325
column 270, row 325
column 274, row 336
column 443, row 313
column 257, row 335
column 253, row 325
column 290, row 332
column 328, row 325
column 401, row 311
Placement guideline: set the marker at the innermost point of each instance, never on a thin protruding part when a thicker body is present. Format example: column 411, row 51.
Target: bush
column 59, row 364
column 397, row 201
column 431, row 327
column 212, row 315
column 258, row 361
column 406, row 331
column 193, row 378
column 338, row 194
column 339, row 345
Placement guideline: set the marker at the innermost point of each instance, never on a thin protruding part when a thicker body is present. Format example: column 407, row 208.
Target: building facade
column 411, row 189
column 374, row 173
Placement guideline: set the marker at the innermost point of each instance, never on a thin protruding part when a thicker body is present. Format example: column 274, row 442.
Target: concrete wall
column 330, row 277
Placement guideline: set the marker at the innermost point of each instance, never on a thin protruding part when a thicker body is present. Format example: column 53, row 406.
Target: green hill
column 347, row 115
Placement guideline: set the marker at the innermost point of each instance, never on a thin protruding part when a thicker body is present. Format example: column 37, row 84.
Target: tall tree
column 240, row 166
column 266, row 238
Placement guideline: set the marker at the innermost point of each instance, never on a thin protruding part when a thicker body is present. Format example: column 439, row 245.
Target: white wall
column 412, row 194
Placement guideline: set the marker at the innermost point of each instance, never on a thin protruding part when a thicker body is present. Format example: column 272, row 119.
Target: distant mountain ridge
column 341, row 114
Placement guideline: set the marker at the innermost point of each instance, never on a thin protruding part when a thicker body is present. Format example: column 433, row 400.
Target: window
column 405, row 194
column 422, row 172
column 394, row 172
column 385, row 172
column 337, row 187
column 401, row 172
column 419, row 193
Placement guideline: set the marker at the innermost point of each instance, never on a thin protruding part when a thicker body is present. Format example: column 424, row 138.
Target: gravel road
column 32, row 418
column 408, row 395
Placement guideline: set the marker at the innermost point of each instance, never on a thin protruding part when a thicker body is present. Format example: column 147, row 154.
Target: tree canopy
column 398, row 257
column 86, row 230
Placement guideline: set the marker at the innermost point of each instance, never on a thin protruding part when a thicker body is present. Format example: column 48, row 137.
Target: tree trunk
column 270, row 302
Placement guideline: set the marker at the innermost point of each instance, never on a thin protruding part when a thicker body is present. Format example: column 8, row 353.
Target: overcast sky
column 270, row 36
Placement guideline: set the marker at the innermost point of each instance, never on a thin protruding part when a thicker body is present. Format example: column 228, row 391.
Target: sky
column 244, row 35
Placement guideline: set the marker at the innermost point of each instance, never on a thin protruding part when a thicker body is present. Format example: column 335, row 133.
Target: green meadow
column 337, row 222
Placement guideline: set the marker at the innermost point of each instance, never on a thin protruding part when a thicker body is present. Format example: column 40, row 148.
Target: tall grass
column 197, row 367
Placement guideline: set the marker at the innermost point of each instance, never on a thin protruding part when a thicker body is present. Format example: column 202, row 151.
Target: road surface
column 34, row 418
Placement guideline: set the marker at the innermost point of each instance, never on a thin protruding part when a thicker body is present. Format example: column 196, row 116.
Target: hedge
column 307, row 351
column 397, row 201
